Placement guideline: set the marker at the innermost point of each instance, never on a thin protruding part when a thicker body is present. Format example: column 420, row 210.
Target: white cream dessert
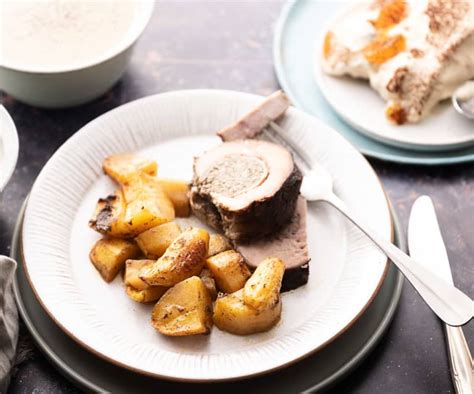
column 52, row 35
column 414, row 53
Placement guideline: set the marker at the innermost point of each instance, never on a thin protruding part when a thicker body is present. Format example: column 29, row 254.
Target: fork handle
column 450, row 304
column 460, row 361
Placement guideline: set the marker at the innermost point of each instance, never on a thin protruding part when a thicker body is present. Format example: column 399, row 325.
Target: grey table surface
column 227, row 45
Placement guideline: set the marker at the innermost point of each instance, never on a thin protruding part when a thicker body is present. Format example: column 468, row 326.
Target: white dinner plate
column 346, row 270
column 362, row 107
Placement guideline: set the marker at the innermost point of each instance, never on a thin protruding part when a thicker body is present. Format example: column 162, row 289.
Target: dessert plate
column 346, row 269
column 299, row 30
column 362, row 108
column 316, row 372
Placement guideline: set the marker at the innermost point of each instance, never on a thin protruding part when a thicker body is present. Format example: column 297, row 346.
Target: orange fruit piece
column 391, row 13
column 383, row 48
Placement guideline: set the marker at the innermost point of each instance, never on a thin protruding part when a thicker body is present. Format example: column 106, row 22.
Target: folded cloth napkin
column 8, row 321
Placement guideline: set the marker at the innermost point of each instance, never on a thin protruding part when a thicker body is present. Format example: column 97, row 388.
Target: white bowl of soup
column 62, row 53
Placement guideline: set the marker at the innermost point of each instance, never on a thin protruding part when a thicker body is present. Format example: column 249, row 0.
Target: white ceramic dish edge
column 225, row 373
column 389, row 134
column 71, row 86
column 9, row 147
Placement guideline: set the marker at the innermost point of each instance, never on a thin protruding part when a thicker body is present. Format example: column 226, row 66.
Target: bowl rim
column 144, row 11
column 9, row 139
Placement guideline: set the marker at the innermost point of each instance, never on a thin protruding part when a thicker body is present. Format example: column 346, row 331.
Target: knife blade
column 426, row 245
column 425, row 240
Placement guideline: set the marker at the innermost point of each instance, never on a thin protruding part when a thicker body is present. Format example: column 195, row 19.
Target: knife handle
column 460, row 360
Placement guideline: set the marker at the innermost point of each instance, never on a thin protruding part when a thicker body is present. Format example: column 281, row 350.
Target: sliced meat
column 246, row 188
column 289, row 245
column 255, row 121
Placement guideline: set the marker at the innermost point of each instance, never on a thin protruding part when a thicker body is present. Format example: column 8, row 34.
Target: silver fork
column 451, row 305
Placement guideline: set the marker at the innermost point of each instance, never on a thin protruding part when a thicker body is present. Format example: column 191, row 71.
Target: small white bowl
column 8, row 147
column 67, row 87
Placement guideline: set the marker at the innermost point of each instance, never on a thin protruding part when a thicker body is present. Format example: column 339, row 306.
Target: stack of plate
column 350, row 106
column 101, row 340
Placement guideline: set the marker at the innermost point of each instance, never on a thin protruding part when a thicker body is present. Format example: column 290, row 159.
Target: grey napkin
column 8, row 321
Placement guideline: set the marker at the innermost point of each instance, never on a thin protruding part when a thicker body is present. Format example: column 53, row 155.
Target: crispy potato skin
column 185, row 309
column 140, row 205
column 218, row 244
column 185, row 257
column 156, row 240
column 150, row 294
column 122, row 168
column 108, row 216
column 109, row 255
column 233, row 315
column 263, row 288
column 133, row 269
column 177, row 192
column 209, row 282
column 229, row 270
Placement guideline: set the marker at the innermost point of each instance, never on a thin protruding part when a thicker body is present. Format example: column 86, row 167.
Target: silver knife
column 427, row 247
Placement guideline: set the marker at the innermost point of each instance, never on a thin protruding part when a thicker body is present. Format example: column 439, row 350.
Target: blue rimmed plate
column 300, row 24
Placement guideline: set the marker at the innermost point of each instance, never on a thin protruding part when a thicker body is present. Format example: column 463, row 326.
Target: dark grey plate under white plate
column 318, row 371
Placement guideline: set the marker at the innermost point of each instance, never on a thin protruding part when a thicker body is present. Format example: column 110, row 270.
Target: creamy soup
column 55, row 34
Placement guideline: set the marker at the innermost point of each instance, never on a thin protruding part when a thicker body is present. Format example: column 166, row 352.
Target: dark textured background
column 227, row 45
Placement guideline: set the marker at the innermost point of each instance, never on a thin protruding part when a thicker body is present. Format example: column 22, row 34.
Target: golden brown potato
column 209, row 282
column 109, row 255
column 109, row 214
column 133, row 269
column 122, row 168
column 185, row 309
column 147, row 204
column 262, row 290
column 229, row 270
column 233, row 315
column 151, row 294
column 184, row 258
column 156, row 240
column 218, row 244
column 177, row 192
column 140, row 205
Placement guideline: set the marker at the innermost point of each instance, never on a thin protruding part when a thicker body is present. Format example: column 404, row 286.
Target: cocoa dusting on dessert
column 444, row 17
column 396, row 82
column 417, row 53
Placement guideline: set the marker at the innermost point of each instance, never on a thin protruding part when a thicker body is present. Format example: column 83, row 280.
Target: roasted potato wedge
column 218, row 244
column 156, row 240
column 147, row 204
column 229, row 270
column 140, row 205
column 185, row 309
column 124, row 167
column 109, row 255
column 233, row 315
column 150, row 294
column 262, row 290
column 185, row 257
column 109, row 215
column 177, row 192
column 209, row 282
column 133, row 269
